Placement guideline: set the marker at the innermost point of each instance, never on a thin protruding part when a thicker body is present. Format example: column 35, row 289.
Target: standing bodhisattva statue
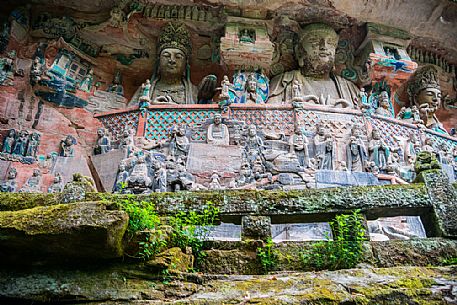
column 170, row 83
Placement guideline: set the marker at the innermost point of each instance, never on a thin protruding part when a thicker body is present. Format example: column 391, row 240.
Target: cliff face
column 85, row 252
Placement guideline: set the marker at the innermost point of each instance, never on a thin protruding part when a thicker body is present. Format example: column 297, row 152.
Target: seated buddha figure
column 314, row 81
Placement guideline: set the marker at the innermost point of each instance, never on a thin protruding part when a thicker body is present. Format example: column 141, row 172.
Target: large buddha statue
column 424, row 92
column 170, row 83
column 315, row 53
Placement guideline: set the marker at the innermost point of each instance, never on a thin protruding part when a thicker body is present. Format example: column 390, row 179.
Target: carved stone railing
column 156, row 121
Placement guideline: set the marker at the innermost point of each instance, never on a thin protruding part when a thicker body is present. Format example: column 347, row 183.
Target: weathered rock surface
column 79, row 230
column 173, row 260
column 115, row 285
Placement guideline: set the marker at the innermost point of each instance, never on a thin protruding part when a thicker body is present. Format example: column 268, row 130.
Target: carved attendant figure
column 218, row 133
column 86, row 83
column 356, row 154
column 324, row 149
column 10, row 184
column 8, row 142
column 21, row 143
column 33, row 145
column 66, row 146
column 103, row 144
column 298, row 144
column 379, row 151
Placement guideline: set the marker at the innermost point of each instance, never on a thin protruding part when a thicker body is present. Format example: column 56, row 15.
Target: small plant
column 267, row 256
column 346, row 249
column 191, row 228
column 143, row 217
column 449, row 261
column 152, row 245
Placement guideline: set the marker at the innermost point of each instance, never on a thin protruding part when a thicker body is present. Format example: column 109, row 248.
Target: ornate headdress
column 317, row 28
column 175, row 35
column 425, row 77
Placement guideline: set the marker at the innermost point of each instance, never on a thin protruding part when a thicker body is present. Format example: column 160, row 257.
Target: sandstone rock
column 59, row 232
column 173, row 260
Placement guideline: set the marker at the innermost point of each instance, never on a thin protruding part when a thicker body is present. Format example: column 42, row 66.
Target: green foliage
column 142, row 215
column 267, row 256
column 346, row 249
column 449, row 261
column 190, row 229
column 187, row 229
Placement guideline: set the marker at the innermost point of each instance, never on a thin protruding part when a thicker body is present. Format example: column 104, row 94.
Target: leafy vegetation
column 268, row 256
column 187, row 229
column 346, row 249
column 190, row 229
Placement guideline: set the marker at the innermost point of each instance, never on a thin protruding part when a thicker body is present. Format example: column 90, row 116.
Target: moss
column 21, row 201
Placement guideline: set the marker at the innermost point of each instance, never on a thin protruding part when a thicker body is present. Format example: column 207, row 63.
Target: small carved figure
column 9, row 185
column 253, row 145
column 412, row 147
column 363, row 96
column 225, row 85
column 121, row 179
column 379, row 150
column 247, row 36
column 214, row 184
column 117, row 17
column 8, row 142
column 20, row 145
column 103, row 143
column 429, row 146
column 32, row 147
column 139, row 181
column 33, row 184
column 179, row 143
column 356, row 154
column 116, row 86
column 87, row 81
column 296, row 89
column 324, row 148
column 218, row 133
column 246, row 175
column 144, row 100
column 8, row 69
column 251, row 89
column 444, row 154
column 298, row 144
column 160, row 177
column 36, row 70
column 66, row 146
column 57, row 184
column 384, row 105
column 127, row 142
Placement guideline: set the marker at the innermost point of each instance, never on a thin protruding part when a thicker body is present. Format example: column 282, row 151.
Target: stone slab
column 328, row 178
column 4, row 167
column 67, row 166
column 208, row 158
column 449, row 170
column 106, row 166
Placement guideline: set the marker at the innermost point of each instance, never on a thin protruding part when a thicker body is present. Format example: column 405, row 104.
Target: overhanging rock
column 58, row 232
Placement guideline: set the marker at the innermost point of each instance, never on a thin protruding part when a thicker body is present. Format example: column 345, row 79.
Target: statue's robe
column 281, row 90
